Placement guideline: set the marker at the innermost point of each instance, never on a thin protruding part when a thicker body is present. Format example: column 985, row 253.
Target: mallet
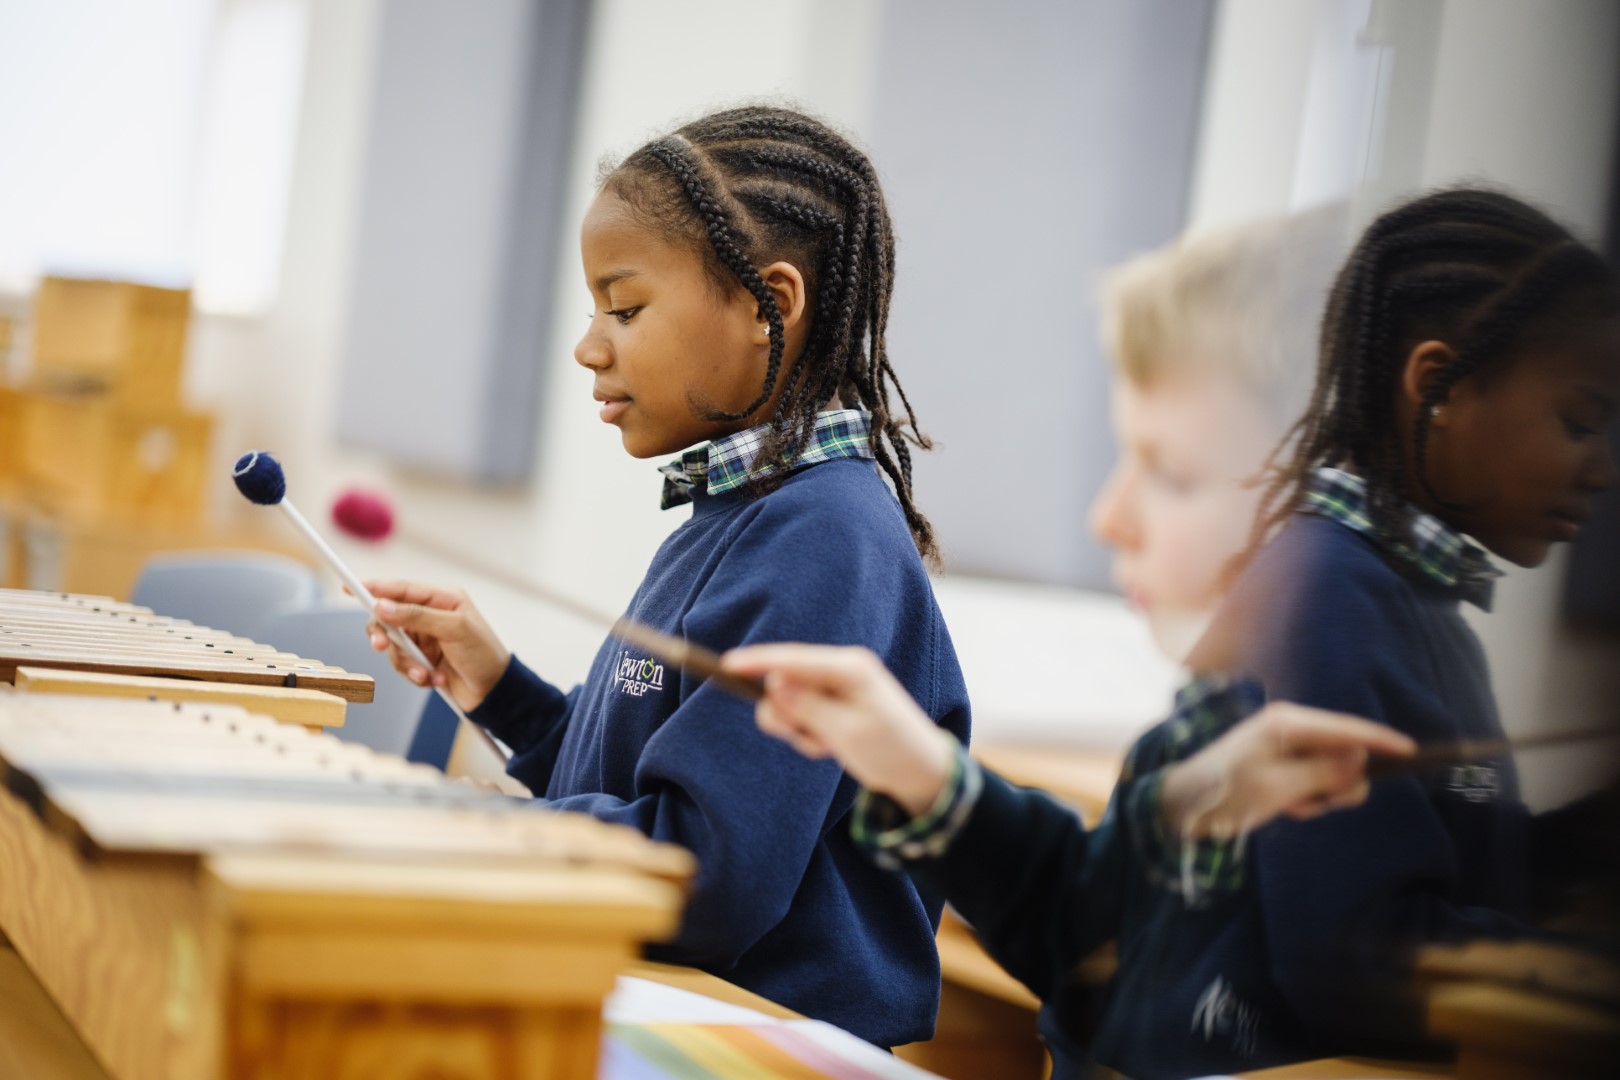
column 259, row 477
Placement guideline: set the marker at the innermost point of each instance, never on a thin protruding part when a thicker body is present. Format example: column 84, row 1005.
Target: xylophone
column 98, row 634
column 206, row 892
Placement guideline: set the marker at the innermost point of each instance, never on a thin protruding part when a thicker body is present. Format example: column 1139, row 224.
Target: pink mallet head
column 363, row 514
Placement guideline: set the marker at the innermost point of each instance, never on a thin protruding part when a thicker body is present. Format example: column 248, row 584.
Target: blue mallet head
column 259, row 477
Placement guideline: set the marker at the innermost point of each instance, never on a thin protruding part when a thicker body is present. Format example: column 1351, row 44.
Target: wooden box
column 92, row 455
column 129, row 339
column 62, row 553
column 10, row 442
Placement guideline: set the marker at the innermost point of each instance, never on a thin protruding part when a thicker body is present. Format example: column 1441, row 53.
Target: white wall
column 1254, row 102
column 1288, row 108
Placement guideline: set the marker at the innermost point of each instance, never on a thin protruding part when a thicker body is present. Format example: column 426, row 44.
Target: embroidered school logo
column 1476, row 783
column 638, row 674
column 1219, row 1013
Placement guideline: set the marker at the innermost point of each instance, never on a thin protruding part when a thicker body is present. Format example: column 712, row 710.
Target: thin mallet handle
column 1440, row 755
column 401, row 639
column 683, row 653
column 676, row 651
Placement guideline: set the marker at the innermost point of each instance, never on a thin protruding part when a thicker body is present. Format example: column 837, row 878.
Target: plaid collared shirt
column 728, row 463
column 1437, row 551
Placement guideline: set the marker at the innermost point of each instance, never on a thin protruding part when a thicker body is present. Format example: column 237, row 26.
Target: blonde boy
column 1213, row 340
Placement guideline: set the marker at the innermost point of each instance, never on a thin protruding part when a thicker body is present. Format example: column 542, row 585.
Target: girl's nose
column 592, row 350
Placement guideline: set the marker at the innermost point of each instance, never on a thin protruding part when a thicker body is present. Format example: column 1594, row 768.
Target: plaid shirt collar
column 1437, row 551
column 728, row 463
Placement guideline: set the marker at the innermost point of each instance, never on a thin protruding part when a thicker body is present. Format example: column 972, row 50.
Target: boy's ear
column 785, row 281
column 1423, row 367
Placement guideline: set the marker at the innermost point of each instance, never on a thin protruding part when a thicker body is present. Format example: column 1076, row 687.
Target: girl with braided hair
column 1469, row 369
column 742, row 268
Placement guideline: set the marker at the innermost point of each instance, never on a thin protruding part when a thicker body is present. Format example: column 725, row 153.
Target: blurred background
column 374, row 205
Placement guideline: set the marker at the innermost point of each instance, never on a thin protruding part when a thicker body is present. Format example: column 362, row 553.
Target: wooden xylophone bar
column 97, row 634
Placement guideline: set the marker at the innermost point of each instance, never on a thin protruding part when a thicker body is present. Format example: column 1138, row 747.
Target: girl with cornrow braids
column 742, row 268
column 1470, row 364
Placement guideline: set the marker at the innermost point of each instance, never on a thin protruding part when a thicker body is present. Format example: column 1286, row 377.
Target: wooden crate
column 63, row 553
column 8, row 339
column 128, row 338
column 94, row 456
column 10, row 441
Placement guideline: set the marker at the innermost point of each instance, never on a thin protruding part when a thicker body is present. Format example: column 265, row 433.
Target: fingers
column 415, row 592
column 1269, row 786
column 1316, row 807
column 1287, row 760
column 420, row 620
column 809, row 711
column 1307, row 787
column 403, row 662
column 1302, row 730
column 774, row 723
column 830, row 668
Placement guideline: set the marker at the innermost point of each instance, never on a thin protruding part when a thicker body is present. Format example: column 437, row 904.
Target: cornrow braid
column 749, row 186
column 722, row 236
column 1476, row 269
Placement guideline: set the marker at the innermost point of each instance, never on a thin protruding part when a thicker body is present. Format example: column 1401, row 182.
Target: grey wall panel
column 469, row 137
column 535, row 230
column 1025, row 146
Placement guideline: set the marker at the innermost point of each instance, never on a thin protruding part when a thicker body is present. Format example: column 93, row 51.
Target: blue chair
column 336, row 634
column 435, row 734
column 231, row 591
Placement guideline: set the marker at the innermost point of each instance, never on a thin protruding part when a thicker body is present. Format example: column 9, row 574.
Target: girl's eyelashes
column 624, row 315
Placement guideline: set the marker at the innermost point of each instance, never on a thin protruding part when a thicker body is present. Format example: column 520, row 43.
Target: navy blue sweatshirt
column 1305, row 957
column 784, row 903
column 1326, row 617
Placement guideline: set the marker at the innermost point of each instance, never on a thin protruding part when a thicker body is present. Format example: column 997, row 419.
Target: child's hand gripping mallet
column 368, row 516
column 259, row 478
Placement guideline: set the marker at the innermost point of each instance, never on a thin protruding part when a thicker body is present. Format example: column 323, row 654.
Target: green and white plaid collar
column 728, row 463
column 1437, row 551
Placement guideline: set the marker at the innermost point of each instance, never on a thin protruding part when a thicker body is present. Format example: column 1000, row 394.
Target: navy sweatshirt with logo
column 1335, row 906
column 1304, row 956
column 784, row 903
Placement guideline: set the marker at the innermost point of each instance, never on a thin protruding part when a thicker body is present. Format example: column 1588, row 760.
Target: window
column 150, row 141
